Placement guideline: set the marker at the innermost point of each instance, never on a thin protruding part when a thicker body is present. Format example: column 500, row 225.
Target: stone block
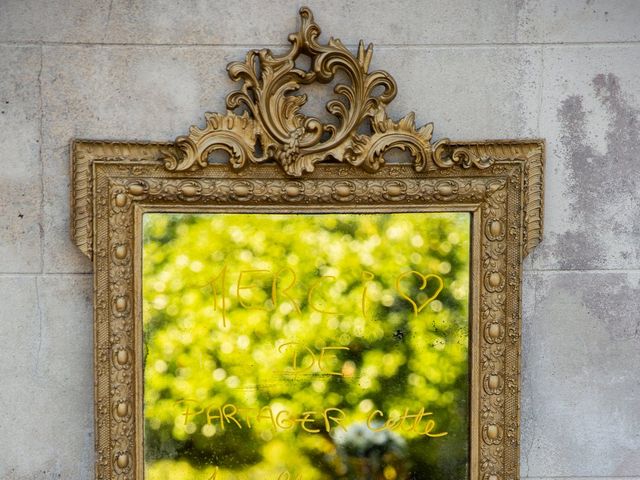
column 574, row 21
column 46, row 358
column 254, row 22
column 590, row 119
column 580, row 388
column 469, row 93
column 20, row 182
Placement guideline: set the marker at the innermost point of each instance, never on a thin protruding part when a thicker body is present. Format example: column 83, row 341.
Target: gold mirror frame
column 283, row 161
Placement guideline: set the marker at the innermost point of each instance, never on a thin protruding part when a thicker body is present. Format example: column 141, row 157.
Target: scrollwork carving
column 272, row 117
column 445, row 156
column 233, row 134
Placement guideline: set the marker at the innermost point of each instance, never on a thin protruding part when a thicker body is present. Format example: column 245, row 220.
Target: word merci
column 229, row 415
column 281, row 289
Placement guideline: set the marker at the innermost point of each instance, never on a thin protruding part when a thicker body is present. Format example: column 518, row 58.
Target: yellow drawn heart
column 425, row 280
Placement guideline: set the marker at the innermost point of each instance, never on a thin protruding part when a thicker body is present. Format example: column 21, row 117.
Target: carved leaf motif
column 233, row 134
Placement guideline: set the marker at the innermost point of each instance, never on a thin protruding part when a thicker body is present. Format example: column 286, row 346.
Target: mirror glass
column 306, row 346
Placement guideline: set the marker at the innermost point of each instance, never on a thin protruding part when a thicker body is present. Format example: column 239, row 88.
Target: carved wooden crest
column 272, row 127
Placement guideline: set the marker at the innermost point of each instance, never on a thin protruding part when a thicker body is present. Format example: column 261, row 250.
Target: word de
column 319, row 359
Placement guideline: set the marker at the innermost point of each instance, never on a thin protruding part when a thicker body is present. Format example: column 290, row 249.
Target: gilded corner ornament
column 272, row 127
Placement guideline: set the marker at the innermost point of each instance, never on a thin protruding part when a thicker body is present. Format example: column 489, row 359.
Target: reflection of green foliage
column 195, row 357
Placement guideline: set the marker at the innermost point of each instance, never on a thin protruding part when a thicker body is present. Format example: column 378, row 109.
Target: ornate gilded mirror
column 306, row 309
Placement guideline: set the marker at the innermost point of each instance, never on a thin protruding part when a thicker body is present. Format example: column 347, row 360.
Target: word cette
column 229, row 415
column 284, row 279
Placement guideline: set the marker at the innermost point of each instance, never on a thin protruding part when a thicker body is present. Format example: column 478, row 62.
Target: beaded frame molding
column 281, row 160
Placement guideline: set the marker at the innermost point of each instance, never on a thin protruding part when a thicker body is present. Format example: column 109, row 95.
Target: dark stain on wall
column 599, row 181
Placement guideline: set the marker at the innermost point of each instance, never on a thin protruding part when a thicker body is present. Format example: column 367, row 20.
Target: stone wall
column 567, row 71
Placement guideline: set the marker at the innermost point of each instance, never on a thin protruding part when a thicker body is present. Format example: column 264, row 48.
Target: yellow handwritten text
column 329, row 419
column 320, row 360
column 282, row 282
column 285, row 475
